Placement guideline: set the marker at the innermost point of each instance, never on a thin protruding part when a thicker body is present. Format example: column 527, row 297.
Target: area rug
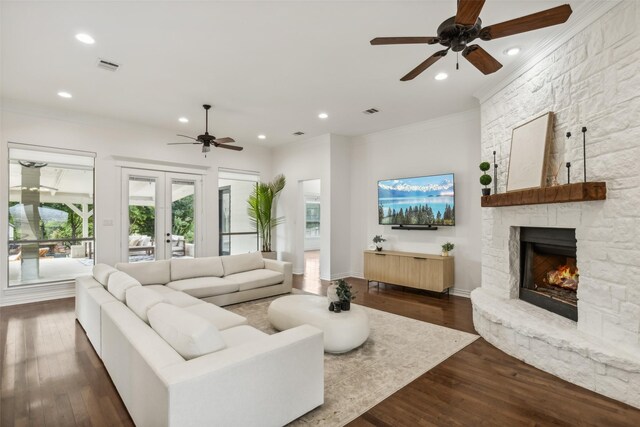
column 398, row 351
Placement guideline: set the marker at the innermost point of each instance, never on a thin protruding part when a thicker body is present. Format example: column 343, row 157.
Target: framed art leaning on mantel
column 530, row 144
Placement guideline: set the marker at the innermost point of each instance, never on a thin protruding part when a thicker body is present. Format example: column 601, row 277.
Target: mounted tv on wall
column 424, row 200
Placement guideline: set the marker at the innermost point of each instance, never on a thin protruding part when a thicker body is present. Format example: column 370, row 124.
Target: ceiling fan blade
column 182, row 143
column 404, row 40
column 185, row 136
column 468, row 11
column 230, row 147
column 224, row 140
column 481, row 59
column 426, row 64
column 546, row 18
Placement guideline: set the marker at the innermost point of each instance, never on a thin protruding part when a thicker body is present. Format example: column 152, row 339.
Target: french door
column 161, row 215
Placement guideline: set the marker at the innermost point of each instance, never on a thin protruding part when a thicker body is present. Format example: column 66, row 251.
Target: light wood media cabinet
column 415, row 270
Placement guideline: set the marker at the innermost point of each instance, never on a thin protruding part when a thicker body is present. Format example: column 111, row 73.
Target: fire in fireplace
column 549, row 271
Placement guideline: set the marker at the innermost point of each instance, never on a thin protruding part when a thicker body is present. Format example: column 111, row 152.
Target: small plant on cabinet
column 446, row 248
column 378, row 239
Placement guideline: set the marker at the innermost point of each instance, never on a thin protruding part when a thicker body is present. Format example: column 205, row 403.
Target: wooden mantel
column 579, row 192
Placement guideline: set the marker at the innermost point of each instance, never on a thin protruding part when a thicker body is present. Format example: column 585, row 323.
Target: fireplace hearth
column 549, row 271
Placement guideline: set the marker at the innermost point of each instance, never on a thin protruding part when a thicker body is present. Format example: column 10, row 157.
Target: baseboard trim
column 25, row 296
column 466, row 293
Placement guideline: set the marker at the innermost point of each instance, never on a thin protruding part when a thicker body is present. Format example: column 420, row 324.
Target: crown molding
column 583, row 15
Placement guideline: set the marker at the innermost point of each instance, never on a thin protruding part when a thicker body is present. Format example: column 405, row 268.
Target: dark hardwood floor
column 52, row 377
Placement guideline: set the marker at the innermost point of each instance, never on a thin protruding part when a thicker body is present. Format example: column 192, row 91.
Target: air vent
column 371, row 111
column 108, row 65
column 298, row 133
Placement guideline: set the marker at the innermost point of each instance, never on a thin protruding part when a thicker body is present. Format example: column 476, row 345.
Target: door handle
column 381, row 254
column 168, row 234
column 417, row 257
column 168, row 240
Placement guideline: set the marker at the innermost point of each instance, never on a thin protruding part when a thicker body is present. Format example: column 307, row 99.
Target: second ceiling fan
column 458, row 31
column 208, row 140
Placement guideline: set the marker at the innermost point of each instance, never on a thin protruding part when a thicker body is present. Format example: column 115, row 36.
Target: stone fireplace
column 549, row 274
column 588, row 79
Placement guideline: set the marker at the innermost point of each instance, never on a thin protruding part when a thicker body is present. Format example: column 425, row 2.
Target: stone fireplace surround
column 590, row 79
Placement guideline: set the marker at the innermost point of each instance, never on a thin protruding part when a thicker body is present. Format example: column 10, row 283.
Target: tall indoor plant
column 262, row 207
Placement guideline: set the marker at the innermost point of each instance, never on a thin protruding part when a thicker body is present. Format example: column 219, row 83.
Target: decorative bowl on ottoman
column 342, row 332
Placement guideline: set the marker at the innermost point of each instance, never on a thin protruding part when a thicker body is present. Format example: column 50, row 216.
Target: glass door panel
column 183, row 218
column 142, row 215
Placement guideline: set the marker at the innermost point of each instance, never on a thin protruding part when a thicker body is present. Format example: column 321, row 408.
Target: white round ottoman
column 342, row 331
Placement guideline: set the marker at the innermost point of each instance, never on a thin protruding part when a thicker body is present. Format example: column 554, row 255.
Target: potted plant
column 261, row 209
column 377, row 240
column 446, row 248
column 484, row 178
column 345, row 294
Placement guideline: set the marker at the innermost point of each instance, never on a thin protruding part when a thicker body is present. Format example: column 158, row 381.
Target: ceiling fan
column 458, row 31
column 208, row 140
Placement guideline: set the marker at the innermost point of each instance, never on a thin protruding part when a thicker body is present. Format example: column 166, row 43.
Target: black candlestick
column 584, row 151
column 495, row 174
column 568, row 172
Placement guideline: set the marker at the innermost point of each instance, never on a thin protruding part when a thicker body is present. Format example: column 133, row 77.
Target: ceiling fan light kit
column 457, row 33
column 208, row 140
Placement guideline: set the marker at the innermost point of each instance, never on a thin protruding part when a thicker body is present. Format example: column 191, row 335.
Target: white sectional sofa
column 177, row 360
column 220, row 280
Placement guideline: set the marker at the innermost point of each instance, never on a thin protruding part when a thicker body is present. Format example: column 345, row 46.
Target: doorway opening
column 312, row 230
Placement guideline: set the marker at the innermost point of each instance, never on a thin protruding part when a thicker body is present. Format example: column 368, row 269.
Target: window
column 312, row 217
column 51, row 199
column 237, row 235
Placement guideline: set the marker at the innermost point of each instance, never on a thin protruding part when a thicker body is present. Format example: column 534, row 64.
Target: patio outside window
column 51, row 199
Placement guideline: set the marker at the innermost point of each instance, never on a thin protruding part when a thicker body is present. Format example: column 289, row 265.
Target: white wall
column 299, row 162
column 31, row 125
column 443, row 145
column 341, row 164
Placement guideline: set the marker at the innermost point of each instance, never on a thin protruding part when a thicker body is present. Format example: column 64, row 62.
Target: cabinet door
column 376, row 267
column 431, row 277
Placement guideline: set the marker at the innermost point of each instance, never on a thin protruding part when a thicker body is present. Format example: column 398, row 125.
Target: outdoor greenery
column 261, row 209
column 142, row 219
column 51, row 229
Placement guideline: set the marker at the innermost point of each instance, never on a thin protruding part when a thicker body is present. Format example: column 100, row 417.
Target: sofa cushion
column 148, row 273
column 221, row 318
column 243, row 262
column 241, row 335
column 188, row 268
column 203, row 287
column 256, row 279
column 173, row 297
column 118, row 284
column 140, row 299
column 190, row 335
column 101, row 273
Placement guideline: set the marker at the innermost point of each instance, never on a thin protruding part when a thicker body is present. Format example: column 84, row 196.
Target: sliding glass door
column 162, row 215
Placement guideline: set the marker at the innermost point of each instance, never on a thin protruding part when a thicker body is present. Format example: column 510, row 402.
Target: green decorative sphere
column 485, row 166
column 485, row 180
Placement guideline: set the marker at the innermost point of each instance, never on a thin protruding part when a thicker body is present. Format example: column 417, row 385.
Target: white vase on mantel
column 445, row 253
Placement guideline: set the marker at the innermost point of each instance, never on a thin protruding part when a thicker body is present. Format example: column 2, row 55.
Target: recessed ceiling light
column 262, row 137
column 63, row 94
column 85, row 38
column 512, row 51
column 323, row 115
column 441, row 76
column 183, row 120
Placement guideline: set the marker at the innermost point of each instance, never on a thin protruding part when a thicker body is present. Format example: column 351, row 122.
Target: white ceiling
column 267, row 67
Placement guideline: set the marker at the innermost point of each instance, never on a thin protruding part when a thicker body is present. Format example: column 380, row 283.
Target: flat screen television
column 423, row 200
